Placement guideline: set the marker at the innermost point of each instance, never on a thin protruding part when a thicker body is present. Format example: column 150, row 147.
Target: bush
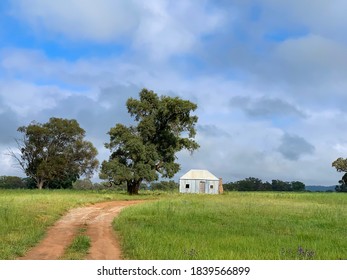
column 164, row 186
column 12, row 182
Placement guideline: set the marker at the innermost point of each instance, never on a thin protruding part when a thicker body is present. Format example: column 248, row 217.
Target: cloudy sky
column 269, row 76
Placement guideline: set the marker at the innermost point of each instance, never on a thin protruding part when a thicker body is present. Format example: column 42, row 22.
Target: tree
column 341, row 166
column 139, row 153
column 298, row 186
column 249, row 184
column 29, row 183
column 165, row 186
column 12, row 182
column 85, row 184
column 278, row 185
column 266, row 186
column 55, row 153
column 230, row 186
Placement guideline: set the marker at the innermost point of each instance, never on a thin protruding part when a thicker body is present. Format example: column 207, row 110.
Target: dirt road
column 96, row 219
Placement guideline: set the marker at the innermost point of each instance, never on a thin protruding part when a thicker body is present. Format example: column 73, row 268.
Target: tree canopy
column 12, row 182
column 341, row 166
column 164, row 126
column 164, row 186
column 55, row 154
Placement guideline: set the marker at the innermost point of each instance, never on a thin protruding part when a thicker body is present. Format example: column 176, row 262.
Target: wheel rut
column 96, row 219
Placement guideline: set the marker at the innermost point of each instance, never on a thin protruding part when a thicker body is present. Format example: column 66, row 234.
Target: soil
column 96, row 220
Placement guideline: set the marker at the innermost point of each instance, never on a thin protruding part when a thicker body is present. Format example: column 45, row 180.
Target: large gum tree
column 164, row 126
column 55, row 152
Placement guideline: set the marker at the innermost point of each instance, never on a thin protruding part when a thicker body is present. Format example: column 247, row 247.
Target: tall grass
column 26, row 214
column 237, row 226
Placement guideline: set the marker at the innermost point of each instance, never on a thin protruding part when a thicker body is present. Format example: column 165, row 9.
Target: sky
column 268, row 76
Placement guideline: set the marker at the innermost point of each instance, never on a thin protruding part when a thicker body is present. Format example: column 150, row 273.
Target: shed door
column 202, row 187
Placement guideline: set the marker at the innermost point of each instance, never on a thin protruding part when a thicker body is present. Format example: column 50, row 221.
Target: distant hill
column 320, row 188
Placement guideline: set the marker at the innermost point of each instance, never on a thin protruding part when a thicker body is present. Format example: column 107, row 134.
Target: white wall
column 194, row 186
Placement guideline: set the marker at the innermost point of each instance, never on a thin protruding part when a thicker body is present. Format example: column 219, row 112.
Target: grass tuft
column 78, row 249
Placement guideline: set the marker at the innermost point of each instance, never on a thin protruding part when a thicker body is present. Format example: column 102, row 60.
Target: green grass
column 230, row 226
column 79, row 247
column 25, row 215
column 251, row 226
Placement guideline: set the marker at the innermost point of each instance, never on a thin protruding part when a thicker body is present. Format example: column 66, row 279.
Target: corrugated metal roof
column 199, row 174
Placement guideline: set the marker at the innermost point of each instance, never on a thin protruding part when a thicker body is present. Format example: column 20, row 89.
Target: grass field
column 231, row 226
column 26, row 214
column 237, row 226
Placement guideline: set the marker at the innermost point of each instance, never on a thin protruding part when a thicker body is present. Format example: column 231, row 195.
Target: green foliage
column 85, row 184
column 343, row 184
column 139, row 153
column 298, row 186
column 341, row 166
column 255, row 184
column 164, row 186
column 29, row 183
column 249, row 184
column 12, row 182
column 278, row 185
column 65, row 182
column 54, row 154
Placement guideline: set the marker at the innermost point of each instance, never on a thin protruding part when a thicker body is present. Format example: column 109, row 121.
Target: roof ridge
column 199, row 174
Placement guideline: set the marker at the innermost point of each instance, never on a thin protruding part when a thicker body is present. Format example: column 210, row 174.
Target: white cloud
column 156, row 28
column 171, row 27
column 100, row 21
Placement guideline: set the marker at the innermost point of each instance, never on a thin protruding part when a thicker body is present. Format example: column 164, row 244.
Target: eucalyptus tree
column 55, row 152
column 164, row 125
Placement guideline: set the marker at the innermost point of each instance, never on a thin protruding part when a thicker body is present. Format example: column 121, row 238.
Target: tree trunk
column 133, row 187
column 39, row 184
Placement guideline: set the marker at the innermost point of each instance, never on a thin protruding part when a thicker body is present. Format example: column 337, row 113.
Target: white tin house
column 200, row 181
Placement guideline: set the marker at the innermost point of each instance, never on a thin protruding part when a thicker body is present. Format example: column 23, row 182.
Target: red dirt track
column 96, row 219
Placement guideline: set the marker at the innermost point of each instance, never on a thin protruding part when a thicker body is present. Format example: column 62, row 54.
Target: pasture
column 235, row 225
column 250, row 226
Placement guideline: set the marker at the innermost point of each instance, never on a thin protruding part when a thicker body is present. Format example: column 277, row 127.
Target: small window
column 187, row 186
column 211, row 186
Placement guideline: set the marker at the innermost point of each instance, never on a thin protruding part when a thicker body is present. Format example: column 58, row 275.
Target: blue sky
column 268, row 76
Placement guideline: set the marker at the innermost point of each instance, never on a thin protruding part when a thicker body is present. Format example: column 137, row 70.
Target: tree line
column 255, row 184
column 15, row 182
